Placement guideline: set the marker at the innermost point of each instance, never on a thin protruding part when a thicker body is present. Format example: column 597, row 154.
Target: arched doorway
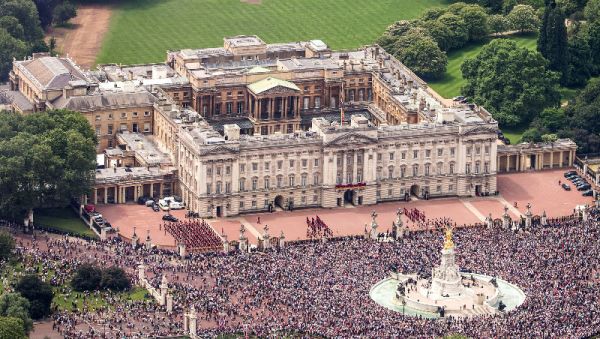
column 279, row 201
column 415, row 190
column 349, row 197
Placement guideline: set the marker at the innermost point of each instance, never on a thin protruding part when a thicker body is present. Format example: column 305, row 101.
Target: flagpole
column 342, row 98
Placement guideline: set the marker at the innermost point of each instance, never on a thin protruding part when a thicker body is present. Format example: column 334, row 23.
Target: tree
column 11, row 328
column 26, row 12
column 425, row 58
column 552, row 41
column 513, row 83
column 582, row 116
column 38, row 293
column 114, row 278
column 63, row 12
column 15, row 306
column 523, row 18
column 580, row 61
column 592, row 10
column 552, row 119
column 45, row 159
column 12, row 26
column 593, row 40
column 549, row 138
column 9, row 48
column 498, row 23
column 45, row 9
column 7, row 245
column 476, row 20
column 87, row 278
column 449, row 31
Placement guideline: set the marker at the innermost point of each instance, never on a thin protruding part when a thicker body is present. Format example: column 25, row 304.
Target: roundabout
column 448, row 292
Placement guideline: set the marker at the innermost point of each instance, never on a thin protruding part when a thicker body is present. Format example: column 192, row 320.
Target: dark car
column 588, row 193
column 155, row 208
column 584, row 187
column 169, row 217
column 570, row 173
column 566, row 187
column 142, row 200
column 573, row 178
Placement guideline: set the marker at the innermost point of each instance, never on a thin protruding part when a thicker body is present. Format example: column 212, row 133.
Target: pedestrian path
column 249, row 227
column 472, row 209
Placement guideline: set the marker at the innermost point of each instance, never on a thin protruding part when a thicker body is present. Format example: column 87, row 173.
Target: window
column 440, row 152
column 291, row 163
column 97, row 117
column 267, row 183
column 218, row 170
column 450, row 188
column 317, row 102
column 415, row 154
column 487, row 150
column 110, row 116
column 241, row 204
column 402, row 171
column 440, row 168
column 315, row 179
column 469, row 150
column 242, row 185
column 451, row 151
column 438, row 188
column 209, row 171
column 279, row 164
column 242, row 168
column 427, row 169
column 306, row 102
column 123, row 127
column 359, row 176
column 389, row 192
column 208, row 188
column 147, row 127
column 218, row 188
column 378, row 156
column 227, row 187
column 451, row 169
column 291, row 180
column 279, row 181
column 478, row 150
column 146, row 114
column 415, row 170
column 403, row 155
column 227, row 170
column 217, row 109
column 392, row 156
column 267, row 166
column 468, row 169
column 110, row 129
column 338, row 179
column 316, row 164
column 486, row 167
column 98, row 130
column 304, row 163
column 477, row 167
column 254, row 184
column 253, row 203
column 123, row 115
column 254, row 166
column 315, row 198
column 240, row 107
column 303, row 180
column 427, row 153
column 229, row 107
column 134, row 114
column 303, row 200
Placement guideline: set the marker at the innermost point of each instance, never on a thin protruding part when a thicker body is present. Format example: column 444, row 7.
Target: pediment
column 218, row 150
column 351, row 139
column 479, row 130
column 278, row 90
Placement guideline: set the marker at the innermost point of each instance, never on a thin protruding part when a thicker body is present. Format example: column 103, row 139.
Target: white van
column 164, row 205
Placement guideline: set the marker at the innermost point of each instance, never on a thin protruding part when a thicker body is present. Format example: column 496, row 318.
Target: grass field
column 514, row 134
column 143, row 30
column 63, row 219
column 449, row 86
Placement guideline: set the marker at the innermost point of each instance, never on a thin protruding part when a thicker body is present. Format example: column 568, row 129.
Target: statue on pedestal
column 528, row 216
column 373, row 233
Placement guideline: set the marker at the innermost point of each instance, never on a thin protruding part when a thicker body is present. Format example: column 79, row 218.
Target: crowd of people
column 414, row 214
column 322, row 289
column 317, row 228
column 196, row 235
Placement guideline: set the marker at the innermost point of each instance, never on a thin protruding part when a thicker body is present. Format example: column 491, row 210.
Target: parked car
column 99, row 220
column 573, row 178
column 588, row 193
column 164, row 205
column 584, row 187
column 566, row 187
column 142, row 200
column 176, row 205
column 149, row 202
column 570, row 173
column 169, row 217
column 458, row 98
column 155, row 208
column 177, row 198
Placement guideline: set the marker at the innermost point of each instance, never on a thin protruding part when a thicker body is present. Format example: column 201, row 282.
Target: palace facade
column 251, row 126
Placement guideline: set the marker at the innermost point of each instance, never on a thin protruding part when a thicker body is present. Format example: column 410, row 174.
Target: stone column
column 186, row 323
column 193, row 322
column 141, row 272
column 95, row 196
column 164, row 287
column 505, row 219
column 552, row 159
column 148, row 241
column 169, row 304
column 344, row 167
column 182, row 252
column 508, row 163
column 355, row 166
column 106, row 195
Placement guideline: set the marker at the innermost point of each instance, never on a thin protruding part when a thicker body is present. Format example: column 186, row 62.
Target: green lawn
column 63, row 219
column 514, row 134
column 142, row 31
column 449, row 86
column 74, row 300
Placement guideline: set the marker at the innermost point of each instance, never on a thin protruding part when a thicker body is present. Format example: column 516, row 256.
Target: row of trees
column 22, row 25
column 421, row 43
column 46, row 158
column 91, row 278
